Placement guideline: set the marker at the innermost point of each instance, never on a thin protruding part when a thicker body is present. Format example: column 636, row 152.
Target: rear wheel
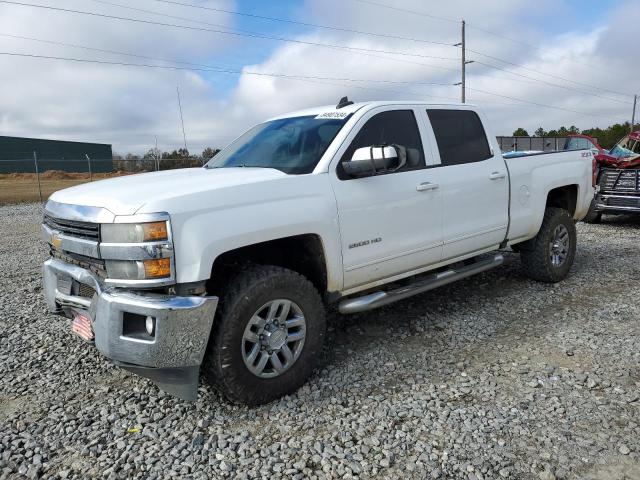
column 549, row 255
column 268, row 335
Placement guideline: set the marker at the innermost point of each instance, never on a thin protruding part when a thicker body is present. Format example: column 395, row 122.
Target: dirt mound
column 19, row 175
column 61, row 175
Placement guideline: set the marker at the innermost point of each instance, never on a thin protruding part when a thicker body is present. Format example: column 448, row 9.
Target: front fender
column 246, row 215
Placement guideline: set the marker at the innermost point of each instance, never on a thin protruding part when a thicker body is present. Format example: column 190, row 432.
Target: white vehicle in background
column 229, row 267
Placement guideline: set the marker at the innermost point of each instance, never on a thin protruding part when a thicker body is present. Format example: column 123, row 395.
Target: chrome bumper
column 180, row 337
column 617, row 203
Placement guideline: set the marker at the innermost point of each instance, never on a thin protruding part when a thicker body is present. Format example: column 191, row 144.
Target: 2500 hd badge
column 365, row 242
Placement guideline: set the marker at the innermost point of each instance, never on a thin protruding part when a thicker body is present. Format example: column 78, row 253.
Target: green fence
column 21, row 155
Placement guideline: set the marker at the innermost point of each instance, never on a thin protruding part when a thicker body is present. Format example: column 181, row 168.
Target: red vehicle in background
column 616, row 175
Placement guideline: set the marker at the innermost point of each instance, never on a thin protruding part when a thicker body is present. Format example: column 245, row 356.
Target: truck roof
column 354, row 107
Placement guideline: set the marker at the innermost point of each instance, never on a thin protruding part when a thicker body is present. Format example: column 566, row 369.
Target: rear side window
column 577, row 143
column 393, row 127
column 460, row 135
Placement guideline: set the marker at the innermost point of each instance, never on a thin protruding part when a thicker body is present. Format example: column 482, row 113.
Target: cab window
column 460, row 136
column 394, row 127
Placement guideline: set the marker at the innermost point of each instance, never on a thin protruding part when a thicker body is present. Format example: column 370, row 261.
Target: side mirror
column 368, row 161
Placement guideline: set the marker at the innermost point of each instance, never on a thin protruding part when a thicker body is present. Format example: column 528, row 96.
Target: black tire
column 535, row 254
column 592, row 215
column 224, row 366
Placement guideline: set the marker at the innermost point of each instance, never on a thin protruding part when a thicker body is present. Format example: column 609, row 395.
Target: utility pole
column 184, row 136
column 156, row 154
column 633, row 115
column 89, row 163
column 35, row 161
column 463, row 64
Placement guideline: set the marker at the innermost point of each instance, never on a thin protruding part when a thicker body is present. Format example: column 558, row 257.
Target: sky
column 549, row 63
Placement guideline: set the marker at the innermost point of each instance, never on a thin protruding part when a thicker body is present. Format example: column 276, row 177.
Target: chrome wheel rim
column 559, row 246
column 273, row 338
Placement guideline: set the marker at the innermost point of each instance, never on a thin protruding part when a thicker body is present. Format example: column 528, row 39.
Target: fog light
column 150, row 325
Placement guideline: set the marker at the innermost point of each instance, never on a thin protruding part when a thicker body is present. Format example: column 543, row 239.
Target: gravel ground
column 493, row 377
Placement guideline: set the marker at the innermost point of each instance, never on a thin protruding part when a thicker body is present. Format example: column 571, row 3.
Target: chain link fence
column 508, row 144
column 137, row 165
column 28, row 176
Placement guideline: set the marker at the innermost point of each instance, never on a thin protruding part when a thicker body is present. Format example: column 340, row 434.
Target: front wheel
column 268, row 335
column 549, row 255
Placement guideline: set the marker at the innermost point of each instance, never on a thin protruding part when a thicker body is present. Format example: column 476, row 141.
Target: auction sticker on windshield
column 337, row 115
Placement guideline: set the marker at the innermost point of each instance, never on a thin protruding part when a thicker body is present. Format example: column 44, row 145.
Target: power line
column 258, row 35
column 532, row 103
column 400, row 60
column 305, row 24
column 172, row 2
column 228, row 69
column 73, row 45
column 314, row 79
column 551, row 84
column 534, row 47
column 543, row 73
column 317, row 80
column 406, row 10
column 206, row 68
column 413, row 12
column 223, row 32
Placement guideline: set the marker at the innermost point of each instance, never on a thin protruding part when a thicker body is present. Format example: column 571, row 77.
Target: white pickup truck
column 228, row 268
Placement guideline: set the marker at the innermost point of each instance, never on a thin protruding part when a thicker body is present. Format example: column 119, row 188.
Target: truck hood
column 128, row 194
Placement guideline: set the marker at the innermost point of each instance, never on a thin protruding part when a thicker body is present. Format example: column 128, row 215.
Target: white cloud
column 128, row 106
column 584, row 55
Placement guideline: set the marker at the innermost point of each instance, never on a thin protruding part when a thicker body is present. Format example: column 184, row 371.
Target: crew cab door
column 474, row 183
column 390, row 222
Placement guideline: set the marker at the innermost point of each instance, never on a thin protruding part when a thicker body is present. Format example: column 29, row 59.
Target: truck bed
column 531, row 178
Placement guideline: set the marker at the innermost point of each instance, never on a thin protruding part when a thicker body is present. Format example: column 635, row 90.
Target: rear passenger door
column 474, row 182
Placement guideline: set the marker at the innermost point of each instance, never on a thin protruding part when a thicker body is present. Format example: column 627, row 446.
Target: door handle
column 497, row 175
column 427, row 186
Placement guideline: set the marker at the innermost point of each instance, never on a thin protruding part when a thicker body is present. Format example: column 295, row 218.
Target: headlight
column 134, row 232
column 138, row 269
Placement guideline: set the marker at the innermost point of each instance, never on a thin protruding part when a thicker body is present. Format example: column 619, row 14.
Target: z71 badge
column 365, row 242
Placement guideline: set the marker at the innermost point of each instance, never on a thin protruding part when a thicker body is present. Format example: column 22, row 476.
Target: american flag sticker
column 81, row 325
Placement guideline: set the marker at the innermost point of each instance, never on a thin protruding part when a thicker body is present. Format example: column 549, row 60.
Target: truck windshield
column 292, row 145
column 627, row 147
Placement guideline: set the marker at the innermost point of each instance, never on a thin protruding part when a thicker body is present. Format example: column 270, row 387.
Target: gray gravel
column 493, row 377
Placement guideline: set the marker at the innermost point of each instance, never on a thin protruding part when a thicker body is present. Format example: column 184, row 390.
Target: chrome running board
column 435, row 280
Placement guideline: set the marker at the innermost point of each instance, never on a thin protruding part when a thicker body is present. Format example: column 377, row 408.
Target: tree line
column 607, row 137
column 155, row 159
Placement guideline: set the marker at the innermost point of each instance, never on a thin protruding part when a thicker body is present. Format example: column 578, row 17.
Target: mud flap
column 180, row 382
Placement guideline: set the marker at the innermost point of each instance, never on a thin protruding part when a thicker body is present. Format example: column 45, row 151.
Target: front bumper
column 610, row 203
column 171, row 357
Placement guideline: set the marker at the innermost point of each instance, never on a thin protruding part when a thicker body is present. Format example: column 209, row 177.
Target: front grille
column 627, row 181
column 92, row 264
column 74, row 228
column 85, row 291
